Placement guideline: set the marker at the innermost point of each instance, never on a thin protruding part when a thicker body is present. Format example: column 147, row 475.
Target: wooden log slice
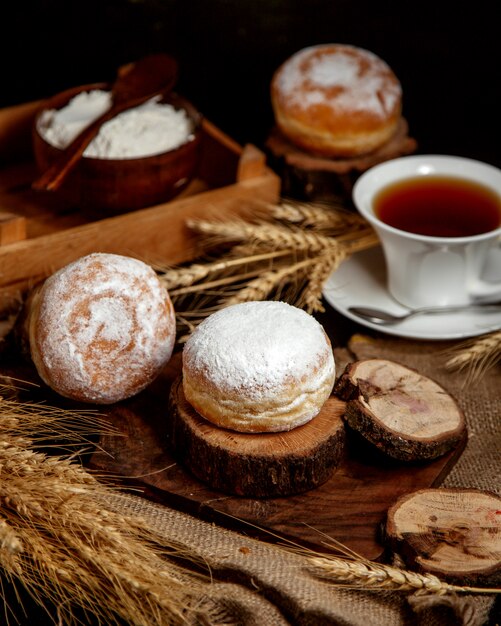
column 312, row 177
column 404, row 414
column 257, row 464
column 452, row 533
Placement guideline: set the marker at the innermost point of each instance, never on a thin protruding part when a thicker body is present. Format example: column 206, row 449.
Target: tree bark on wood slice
column 406, row 415
column 313, row 177
column 257, row 464
column 452, row 533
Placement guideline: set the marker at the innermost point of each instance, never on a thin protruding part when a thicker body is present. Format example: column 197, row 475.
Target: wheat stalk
column 261, row 287
column 186, row 276
column 273, row 235
column 350, row 569
column 210, row 286
column 325, row 264
column 268, row 259
column 476, row 356
column 317, row 215
column 10, row 547
column 60, row 541
column 355, row 242
column 365, row 574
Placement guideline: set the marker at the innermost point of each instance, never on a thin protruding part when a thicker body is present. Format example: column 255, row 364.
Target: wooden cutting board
column 350, row 507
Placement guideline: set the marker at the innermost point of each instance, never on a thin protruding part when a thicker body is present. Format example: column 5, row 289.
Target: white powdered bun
column 258, row 367
column 336, row 100
column 101, row 329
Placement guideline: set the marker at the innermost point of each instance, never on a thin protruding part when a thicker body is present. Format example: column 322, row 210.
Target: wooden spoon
column 135, row 83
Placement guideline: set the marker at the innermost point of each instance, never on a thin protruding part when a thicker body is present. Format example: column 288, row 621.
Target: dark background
column 445, row 55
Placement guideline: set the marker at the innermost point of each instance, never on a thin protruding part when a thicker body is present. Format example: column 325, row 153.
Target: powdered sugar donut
column 101, row 328
column 336, row 100
column 258, row 367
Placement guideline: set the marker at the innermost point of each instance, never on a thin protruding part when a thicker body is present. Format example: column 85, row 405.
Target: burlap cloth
column 258, row 583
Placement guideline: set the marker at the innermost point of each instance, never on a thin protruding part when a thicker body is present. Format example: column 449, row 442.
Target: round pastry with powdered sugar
column 258, row 367
column 101, row 329
column 336, row 100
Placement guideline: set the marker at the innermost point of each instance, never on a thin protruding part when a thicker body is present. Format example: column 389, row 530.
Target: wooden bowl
column 120, row 185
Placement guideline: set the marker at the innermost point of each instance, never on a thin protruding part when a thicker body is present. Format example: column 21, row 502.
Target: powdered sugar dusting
column 106, row 327
column 259, row 347
column 341, row 76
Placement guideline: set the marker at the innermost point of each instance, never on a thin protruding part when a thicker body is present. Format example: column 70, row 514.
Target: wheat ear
column 60, row 541
column 317, row 215
column 370, row 575
column 274, row 236
column 261, row 287
column 324, row 265
column 186, row 276
column 476, row 356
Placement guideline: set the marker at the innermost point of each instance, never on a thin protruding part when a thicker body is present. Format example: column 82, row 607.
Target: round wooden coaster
column 257, row 465
column 454, row 534
column 311, row 177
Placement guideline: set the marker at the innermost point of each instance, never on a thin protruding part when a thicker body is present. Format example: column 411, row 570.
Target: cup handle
column 485, row 291
column 489, row 289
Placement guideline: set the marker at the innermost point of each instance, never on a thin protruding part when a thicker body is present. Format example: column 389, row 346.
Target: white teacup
column 429, row 270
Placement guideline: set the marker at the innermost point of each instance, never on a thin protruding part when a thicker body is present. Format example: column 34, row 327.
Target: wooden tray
column 38, row 235
column 349, row 507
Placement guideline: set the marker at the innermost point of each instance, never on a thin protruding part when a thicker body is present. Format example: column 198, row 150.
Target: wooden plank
column 251, row 164
column 12, row 228
column 157, row 235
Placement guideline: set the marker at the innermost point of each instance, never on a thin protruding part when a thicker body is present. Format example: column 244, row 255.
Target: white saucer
column 361, row 281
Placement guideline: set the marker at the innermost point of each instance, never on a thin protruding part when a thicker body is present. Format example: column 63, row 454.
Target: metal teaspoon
column 383, row 318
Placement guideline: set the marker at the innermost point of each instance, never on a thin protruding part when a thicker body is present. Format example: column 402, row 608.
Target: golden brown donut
column 336, row 100
column 101, row 328
column 258, row 367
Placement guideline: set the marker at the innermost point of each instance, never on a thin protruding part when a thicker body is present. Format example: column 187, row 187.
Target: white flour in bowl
column 148, row 129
